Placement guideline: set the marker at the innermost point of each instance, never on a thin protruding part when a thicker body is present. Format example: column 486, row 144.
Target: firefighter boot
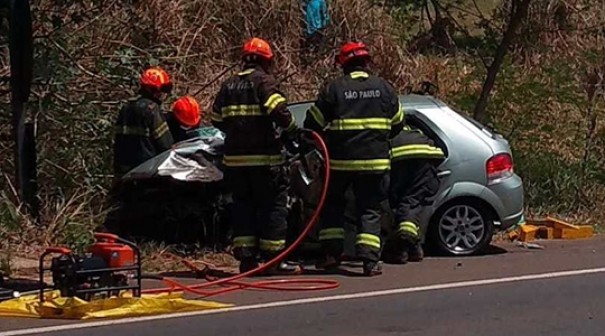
column 402, row 249
column 371, row 268
column 328, row 263
column 396, row 250
column 416, row 253
column 247, row 265
column 285, row 268
column 395, row 258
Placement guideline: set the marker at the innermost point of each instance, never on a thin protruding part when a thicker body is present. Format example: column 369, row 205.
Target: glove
column 305, row 142
column 289, row 139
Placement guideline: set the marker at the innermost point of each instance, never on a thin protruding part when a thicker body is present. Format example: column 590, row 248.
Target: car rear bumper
column 510, row 201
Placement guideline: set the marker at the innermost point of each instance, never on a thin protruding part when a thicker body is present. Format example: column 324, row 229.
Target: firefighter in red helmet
column 140, row 134
column 246, row 109
column 357, row 113
column 141, row 131
column 184, row 119
column 414, row 182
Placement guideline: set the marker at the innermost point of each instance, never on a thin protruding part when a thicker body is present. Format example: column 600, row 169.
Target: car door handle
column 444, row 173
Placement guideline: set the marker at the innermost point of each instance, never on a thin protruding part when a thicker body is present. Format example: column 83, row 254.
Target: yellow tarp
column 116, row 307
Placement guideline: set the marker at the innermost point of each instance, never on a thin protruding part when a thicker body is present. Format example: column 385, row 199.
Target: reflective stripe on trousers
column 409, row 228
column 368, row 240
column 244, row 241
column 332, row 233
column 272, row 245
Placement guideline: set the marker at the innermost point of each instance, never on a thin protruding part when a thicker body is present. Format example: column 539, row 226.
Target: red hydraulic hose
column 231, row 283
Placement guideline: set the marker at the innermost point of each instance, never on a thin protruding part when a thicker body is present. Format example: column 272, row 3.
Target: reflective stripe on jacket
column 358, row 112
column 412, row 144
column 245, row 109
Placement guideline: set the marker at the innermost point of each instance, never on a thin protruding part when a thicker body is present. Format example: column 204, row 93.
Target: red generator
column 104, row 271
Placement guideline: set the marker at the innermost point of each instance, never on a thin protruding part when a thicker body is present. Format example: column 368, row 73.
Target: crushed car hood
column 194, row 160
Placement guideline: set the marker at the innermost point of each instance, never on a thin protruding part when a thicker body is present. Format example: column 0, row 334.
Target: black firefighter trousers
column 370, row 190
column 414, row 182
column 259, row 213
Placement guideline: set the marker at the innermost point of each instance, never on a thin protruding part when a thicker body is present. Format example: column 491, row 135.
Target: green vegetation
column 547, row 100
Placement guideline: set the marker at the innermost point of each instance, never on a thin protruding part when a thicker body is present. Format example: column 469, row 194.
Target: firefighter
column 414, row 183
column 358, row 113
column 246, row 109
column 141, row 131
column 184, row 119
column 140, row 134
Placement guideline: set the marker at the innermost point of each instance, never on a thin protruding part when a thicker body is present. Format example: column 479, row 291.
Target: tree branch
column 517, row 16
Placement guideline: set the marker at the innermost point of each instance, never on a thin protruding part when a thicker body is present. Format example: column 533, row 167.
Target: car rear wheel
column 462, row 228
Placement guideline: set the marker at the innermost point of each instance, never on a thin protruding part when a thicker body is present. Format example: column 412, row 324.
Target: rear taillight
column 499, row 167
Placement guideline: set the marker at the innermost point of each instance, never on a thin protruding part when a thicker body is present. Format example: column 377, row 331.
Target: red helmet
column 352, row 50
column 257, row 47
column 187, row 111
column 156, row 79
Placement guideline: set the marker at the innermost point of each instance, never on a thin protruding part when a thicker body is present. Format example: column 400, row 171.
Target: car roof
column 427, row 108
column 415, row 101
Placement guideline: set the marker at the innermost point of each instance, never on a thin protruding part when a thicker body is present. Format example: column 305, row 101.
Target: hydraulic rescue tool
column 6, row 293
column 103, row 271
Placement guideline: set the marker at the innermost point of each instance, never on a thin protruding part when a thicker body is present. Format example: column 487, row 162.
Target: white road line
column 304, row 301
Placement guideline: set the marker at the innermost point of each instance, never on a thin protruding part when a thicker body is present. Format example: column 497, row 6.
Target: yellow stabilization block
column 115, row 307
column 550, row 228
column 528, row 232
column 583, row 231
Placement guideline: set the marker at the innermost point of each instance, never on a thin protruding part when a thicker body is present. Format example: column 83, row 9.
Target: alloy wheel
column 461, row 228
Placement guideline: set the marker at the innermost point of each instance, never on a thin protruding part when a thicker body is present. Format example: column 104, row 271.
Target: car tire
column 462, row 227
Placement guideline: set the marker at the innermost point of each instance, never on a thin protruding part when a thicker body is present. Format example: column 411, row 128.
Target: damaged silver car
column 480, row 192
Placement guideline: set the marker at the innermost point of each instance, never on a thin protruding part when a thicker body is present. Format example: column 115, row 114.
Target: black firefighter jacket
column 140, row 134
column 246, row 109
column 358, row 113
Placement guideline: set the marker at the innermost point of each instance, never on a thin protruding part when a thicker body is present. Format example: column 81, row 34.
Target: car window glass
column 299, row 111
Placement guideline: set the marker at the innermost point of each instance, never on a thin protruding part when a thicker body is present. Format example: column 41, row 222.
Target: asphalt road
column 570, row 306
column 556, row 291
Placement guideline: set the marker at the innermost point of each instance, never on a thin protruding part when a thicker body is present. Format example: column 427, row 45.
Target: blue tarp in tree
column 317, row 16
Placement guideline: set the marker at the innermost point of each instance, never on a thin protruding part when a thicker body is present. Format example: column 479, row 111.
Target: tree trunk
column 518, row 13
column 21, row 60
